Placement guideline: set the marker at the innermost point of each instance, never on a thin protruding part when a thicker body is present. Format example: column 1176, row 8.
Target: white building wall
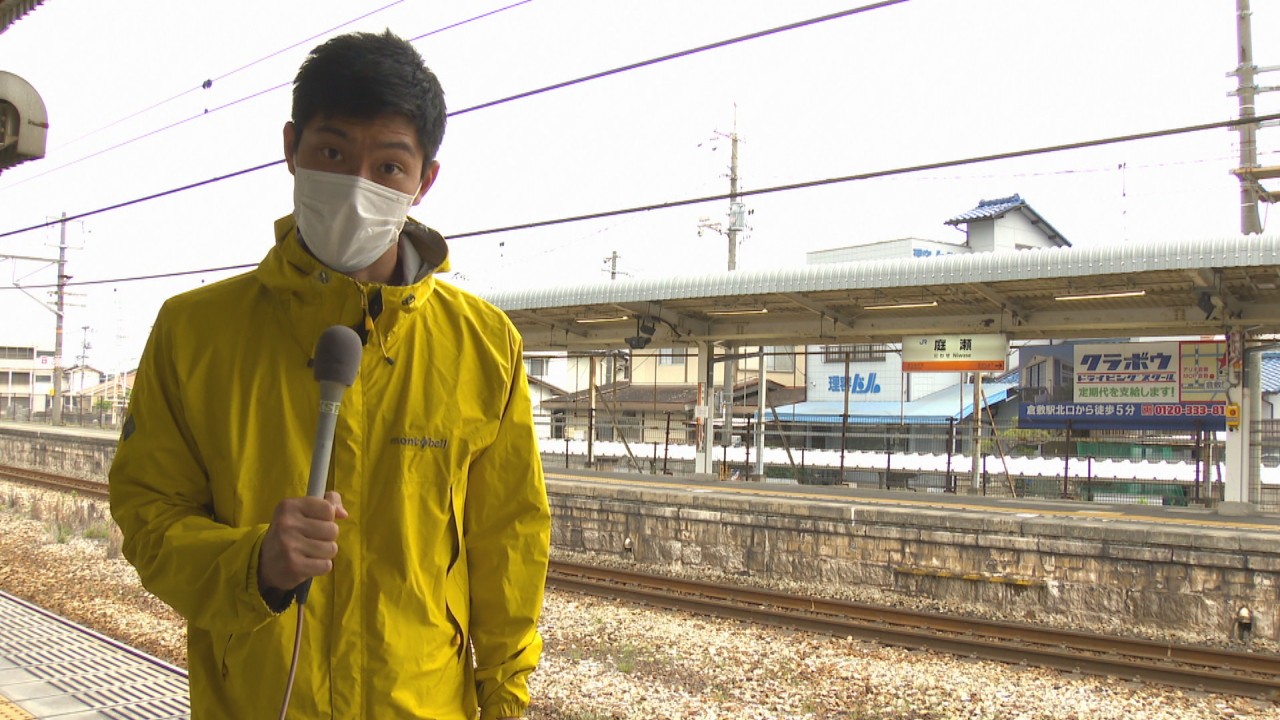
column 887, row 250
column 25, row 384
column 1016, row 232
column 570, row 374
column 871, row 381
column 982, row 235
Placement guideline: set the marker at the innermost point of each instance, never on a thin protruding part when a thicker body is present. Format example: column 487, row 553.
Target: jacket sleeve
column 161, row 499
column 507, row 531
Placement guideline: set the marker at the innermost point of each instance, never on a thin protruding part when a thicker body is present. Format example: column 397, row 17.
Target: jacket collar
column 312, row 296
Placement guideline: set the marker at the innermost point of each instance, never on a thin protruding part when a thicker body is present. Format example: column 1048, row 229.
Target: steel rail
column 50, row 481
column 1199, row 668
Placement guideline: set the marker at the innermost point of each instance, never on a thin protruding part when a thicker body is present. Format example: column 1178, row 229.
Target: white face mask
column 347, row 222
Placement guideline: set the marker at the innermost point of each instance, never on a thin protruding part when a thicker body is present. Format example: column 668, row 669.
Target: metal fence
column 1113, row 466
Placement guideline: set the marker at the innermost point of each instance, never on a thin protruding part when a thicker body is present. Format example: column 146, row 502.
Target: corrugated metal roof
column 1271, row 372
column 1077, row 262
column 1176, row 287
column 11, row 10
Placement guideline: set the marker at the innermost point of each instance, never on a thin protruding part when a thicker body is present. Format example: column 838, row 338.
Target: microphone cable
column 293, row 664
column 334, row 365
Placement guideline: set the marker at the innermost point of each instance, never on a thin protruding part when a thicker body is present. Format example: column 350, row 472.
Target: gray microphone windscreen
column 337, row 355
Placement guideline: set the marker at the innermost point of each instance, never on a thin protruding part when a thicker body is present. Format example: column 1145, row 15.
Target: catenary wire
column 500, row 101
column 251, row 96
column 724, row 196
column 209, row 83
column 874, row 174
column 685, row 53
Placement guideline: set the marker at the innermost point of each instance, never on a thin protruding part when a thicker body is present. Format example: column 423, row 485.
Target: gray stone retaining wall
column 1177, row 577
column 62, row 453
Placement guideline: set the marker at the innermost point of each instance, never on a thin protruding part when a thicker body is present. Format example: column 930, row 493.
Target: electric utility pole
column 735, row 207
column 737, row 224
column 1249, row 173
column 1249, row 223
column 612, row 262
column 57, row 338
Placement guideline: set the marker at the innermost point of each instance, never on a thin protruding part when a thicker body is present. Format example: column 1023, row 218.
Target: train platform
column 1065, row 511
column 53, row 668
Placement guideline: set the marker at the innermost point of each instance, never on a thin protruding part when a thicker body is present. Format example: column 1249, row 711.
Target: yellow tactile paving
column 9, row 711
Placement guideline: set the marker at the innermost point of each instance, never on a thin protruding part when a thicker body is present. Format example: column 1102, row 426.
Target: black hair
column 364, row 75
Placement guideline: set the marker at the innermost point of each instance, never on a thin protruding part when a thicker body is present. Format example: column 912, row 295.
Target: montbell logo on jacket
column 423, row 442
column 417, row 618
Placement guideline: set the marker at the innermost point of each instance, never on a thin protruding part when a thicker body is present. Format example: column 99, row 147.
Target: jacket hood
column 314, row 296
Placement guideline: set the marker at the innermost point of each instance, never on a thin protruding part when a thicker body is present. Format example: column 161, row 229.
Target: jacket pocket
column 457, row 581
column 458, row 605
column 221, row 644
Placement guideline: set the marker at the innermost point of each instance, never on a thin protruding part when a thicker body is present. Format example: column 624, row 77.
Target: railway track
column 1200, row 668
column 88, row 488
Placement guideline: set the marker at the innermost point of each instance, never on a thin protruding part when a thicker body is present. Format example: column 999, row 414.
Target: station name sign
column 955, row 353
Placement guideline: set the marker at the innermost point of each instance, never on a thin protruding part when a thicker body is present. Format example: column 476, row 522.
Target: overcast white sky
column 924, row 81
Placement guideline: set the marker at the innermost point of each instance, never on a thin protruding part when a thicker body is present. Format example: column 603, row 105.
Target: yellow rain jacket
column 432, row 606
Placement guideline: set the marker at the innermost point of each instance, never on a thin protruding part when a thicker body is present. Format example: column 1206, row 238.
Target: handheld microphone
column 336, row 362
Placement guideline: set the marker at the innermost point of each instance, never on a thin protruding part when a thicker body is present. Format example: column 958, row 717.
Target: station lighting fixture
column 586, row 321
column 1103, row 295
column 748, row 311
column 902, row 306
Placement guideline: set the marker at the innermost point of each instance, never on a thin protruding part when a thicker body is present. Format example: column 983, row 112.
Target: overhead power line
column 742, row 193
column 492, row 103
column 135, row 278
column 685, row 53
column 208, row 83
column 875, row 174
column 135, row 201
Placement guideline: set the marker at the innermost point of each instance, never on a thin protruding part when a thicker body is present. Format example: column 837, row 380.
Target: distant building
column 26, row 381
column 1006, row 224
column 999, row 225
column 104, row 403
column 875, row 379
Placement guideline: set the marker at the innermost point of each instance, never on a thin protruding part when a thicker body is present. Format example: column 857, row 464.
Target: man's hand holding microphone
column 302, row 539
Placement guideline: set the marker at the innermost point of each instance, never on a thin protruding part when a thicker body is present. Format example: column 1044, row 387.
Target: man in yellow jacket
column 429, row 553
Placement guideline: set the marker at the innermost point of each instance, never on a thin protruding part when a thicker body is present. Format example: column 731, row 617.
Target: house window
column 17, row 353
column 779, row 359
column 536, row 366
column 671, row 356
column 863, row 352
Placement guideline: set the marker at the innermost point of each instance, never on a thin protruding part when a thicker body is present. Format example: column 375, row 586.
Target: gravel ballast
column 605, row 659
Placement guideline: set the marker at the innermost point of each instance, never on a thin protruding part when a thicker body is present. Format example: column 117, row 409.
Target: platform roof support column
column 762, row 385
column 1243, row 455
column 702, row 460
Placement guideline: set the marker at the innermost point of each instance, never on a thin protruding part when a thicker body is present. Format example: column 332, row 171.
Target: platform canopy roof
column 11, row 10
column 1138, row 289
